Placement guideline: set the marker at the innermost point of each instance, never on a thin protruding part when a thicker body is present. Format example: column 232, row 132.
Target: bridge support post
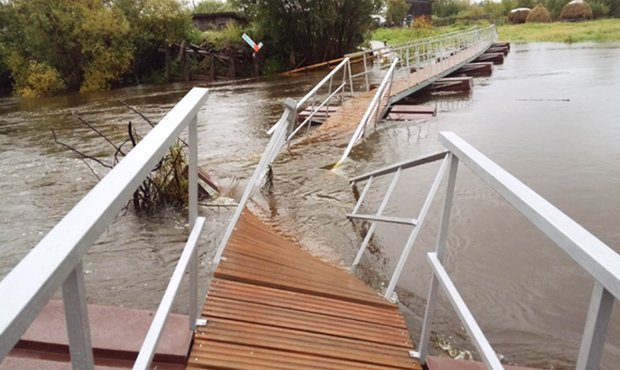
column 76, row 316
column 440, row 250
column 593, row 339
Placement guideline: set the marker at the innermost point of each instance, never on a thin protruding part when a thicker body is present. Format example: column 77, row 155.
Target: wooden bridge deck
column 350, row 114
column 273, row 306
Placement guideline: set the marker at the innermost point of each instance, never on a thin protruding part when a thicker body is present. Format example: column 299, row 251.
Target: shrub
column 32, row 79
column 539, row 14
column 518, row 15
column 576, row 10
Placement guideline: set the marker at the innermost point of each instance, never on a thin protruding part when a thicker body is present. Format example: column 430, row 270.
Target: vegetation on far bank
column 602, row 30
column 50, row 46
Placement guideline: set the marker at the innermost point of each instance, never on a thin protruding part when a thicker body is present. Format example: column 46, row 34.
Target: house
column 216, row 21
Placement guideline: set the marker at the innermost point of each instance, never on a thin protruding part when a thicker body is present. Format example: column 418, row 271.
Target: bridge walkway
column 272, row 305
column 350, row 114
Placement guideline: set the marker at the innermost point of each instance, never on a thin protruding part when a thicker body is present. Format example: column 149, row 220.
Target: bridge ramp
column 271, row 305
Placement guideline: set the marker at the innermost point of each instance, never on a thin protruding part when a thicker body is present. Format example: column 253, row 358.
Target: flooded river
column 549, row 116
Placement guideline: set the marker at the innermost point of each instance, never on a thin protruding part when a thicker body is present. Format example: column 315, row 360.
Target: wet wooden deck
column 271, row 305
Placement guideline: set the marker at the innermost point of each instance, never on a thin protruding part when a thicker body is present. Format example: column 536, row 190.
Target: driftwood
column 166, row 185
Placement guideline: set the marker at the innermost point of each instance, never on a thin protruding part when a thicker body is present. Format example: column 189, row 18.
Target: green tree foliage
column 33, row 78
column 313, row 30
column 154, row 25
column 84, row 43
column 396, row 11
column 213, row 6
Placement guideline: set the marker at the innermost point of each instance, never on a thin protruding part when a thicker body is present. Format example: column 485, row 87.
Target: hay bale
column 518, row 15
column 539, row 14
column 576, row 10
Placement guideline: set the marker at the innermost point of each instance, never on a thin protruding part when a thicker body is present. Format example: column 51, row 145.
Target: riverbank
column 602, row 30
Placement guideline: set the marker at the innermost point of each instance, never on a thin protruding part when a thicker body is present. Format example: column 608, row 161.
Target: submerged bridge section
column 386, row 76
column 270, row 304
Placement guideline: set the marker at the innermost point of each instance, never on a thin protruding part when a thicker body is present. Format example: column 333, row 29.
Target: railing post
column 414, row 234
column 440, row 249
column 192, row 188
column 350, row 77
column 373, row 225
column 76, row 316
column 593, row 339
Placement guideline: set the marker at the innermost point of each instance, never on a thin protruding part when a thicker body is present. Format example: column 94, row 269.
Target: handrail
column 147, row 350
column 473, row 329
column 314, row 91
column 271, row 151
column 424, row 51
column 402, row 165
column 57, row 259
column 372, row 109
column 598, row 259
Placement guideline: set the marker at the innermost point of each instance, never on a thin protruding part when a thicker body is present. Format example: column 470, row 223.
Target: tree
column 154, row 25
column 84, row 43
column 397, row 11
column 311, row 30
column 213, row 6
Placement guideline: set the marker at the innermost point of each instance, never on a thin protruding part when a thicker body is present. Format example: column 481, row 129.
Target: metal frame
column 600, row 261
column 373, row 109
column 57, row 259
column 344, row 68
column 379, row 217
column 427, row 56
column 277, row 141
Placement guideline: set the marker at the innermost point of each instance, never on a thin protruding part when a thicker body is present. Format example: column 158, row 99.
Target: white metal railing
column 424, row 55
column 310, row 100
column 600, row 261
column 282, row 130
column 56, row 261
column 378, row 102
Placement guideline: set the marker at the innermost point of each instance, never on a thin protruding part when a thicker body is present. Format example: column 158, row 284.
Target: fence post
column 440, row 249
column 76, row 316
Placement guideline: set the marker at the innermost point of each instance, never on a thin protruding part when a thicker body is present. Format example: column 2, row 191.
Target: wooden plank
column 309, row 322
column 294, row 341
column 217, row 355
column 306, row 303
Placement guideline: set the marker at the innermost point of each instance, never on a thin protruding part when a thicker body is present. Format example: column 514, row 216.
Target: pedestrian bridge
column 270, row 304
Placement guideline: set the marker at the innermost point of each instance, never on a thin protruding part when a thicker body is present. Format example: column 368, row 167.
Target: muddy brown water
column 549, row 115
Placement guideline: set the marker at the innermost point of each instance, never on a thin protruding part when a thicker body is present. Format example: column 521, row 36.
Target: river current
column 549, row 115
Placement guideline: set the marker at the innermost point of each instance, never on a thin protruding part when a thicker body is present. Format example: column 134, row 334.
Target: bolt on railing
column 56, row 261
column 600, row 261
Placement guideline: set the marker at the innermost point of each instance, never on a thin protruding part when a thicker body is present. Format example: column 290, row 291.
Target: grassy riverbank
column 603, row 30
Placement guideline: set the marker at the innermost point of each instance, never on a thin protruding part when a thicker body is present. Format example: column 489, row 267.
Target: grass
column 397, row 36
column 602, row 30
